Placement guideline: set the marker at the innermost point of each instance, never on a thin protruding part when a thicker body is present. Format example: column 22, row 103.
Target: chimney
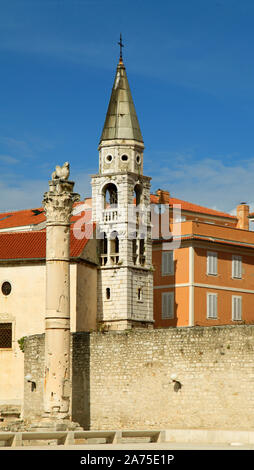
column 242, row 214
column 164, row 196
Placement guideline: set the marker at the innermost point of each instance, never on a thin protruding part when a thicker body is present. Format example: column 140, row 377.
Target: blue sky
column 190, row 66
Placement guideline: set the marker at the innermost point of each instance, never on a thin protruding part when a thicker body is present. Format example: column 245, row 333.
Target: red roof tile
column 32, row 216
column 32, row 245
column 20, row 245
column 188, row 206
column 37, row 215
column 21, row 218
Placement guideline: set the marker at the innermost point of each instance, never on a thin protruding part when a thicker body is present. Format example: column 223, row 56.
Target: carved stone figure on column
column 61, row 172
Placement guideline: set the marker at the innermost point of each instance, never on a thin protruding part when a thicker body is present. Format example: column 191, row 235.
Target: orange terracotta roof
column 37, row 215
column 22, row 218
column 20, row 245
column 30, row 216
column 188, row 206
column 32, row 244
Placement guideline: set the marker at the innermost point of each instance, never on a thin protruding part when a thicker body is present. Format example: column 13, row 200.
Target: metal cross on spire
column 121, row 47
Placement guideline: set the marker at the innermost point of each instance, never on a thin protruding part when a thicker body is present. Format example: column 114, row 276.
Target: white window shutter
column 171, row 262
column 162, row 263
column 212, row 262
column 215, row 306
column 215, row 263
column 240, row 308
column 240, row 267
column 167, row 263
column 237, row 266
column 164, row 306
column 208, row 264
column 171, row 305
column 211, row 305
column 236, row 307
column 167, row 305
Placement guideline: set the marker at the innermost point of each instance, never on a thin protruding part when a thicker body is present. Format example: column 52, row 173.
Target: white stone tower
column 121, row 210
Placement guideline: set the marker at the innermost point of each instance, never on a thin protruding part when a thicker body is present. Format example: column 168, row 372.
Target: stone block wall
column 124, row 304
column 123, row 379
column 34, row 356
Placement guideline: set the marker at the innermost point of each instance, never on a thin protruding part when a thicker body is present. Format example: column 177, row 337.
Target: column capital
column 58, row 201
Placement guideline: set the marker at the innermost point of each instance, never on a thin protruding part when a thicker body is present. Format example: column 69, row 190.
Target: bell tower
column 121, row 210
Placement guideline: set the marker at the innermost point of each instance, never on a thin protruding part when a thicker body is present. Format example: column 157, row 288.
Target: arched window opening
column 137, row 199
column 110, row 195
column 114, row 248
column 134, row 248
column 142, row 257
column 110, row 201
column 104, row 249
column 137, row 194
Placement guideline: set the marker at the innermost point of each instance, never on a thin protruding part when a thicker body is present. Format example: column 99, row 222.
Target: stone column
column 58, row 202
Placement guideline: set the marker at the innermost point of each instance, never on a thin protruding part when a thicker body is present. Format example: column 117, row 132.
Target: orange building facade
column 208, row 279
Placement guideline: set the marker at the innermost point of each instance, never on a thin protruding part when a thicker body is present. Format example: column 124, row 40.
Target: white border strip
column 206, row 286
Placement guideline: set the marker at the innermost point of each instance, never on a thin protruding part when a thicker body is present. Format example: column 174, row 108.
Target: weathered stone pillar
column 58, row 202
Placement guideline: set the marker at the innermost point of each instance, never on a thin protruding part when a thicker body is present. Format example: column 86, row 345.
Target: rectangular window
column 212, row 263
column 5, row 335
column 167, row 263
column 140, row 294
column 236, row 307
column 167, row 300
column 237, row 267
column 211, row 305
column 108, row 293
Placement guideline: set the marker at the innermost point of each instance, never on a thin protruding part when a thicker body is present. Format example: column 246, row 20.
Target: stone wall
column 34, row 356
column 123, row 379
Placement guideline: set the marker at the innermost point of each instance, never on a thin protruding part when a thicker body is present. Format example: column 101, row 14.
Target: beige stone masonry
column 123, row 379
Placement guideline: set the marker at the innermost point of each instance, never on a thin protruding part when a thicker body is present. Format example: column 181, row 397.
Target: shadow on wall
column 81, row 379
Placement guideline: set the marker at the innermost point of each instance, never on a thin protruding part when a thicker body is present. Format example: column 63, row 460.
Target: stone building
column 121, row 274
column 125, row 279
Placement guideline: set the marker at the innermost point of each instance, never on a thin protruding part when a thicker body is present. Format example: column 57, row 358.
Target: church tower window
column 108, row 293
column 104, row 249
column 140, row 293
column 137, row 194
column 110, row 195
column 114, row 248
column 134, row 250
column 109, row 158
column 142, row 257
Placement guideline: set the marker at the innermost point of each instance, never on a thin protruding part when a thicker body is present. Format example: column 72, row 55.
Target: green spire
column 121, row 120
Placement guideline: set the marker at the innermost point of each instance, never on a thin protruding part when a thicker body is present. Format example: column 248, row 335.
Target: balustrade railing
column 109, row 215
